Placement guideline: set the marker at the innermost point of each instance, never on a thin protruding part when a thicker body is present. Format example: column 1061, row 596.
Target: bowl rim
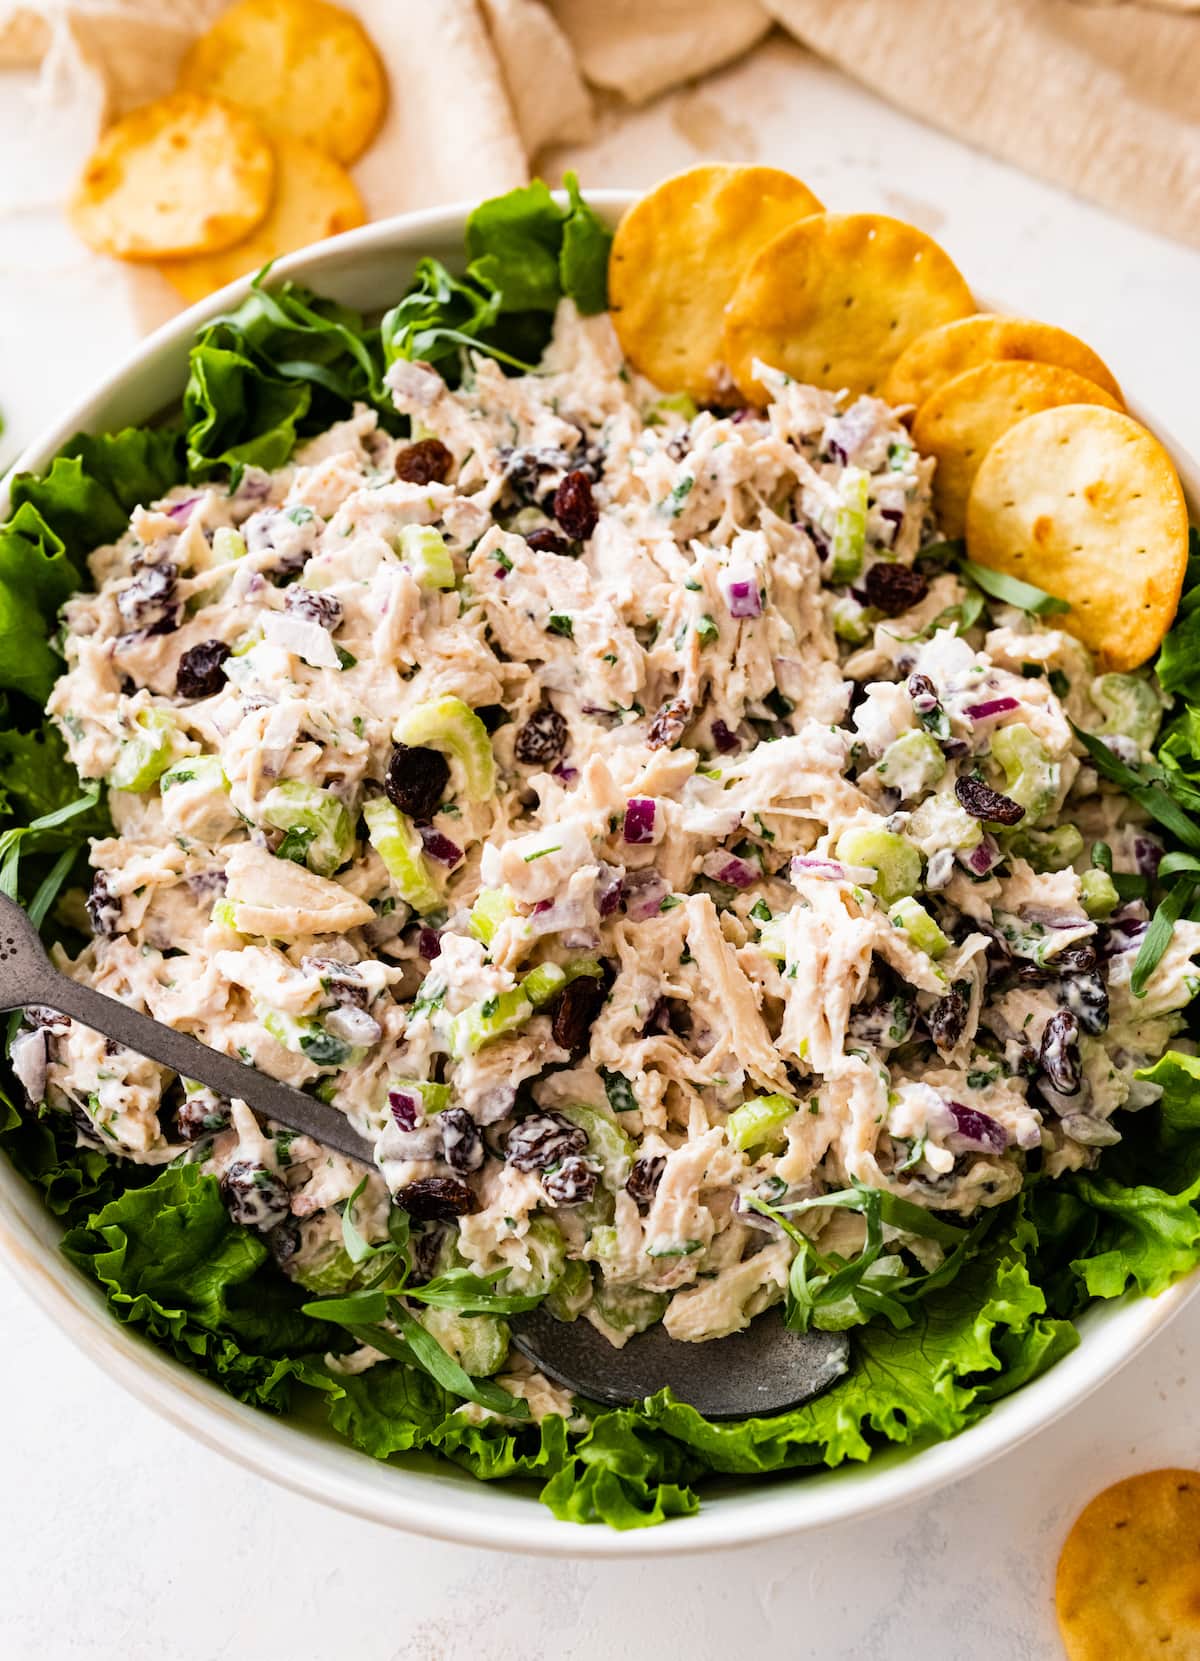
column 493, row 1517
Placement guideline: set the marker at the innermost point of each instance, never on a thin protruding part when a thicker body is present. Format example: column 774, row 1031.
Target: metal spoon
column 28, row 977
column 762, row 1370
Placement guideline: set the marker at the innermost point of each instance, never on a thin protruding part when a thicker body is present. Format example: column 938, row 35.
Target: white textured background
column 121, row 1540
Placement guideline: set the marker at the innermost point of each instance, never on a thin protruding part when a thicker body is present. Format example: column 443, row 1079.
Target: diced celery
column 1130, row 706
column 547, row 1251
column 1098, row 893
column 434, row 1098
column 1031, row 778
column 1048, row 850
column 850, row 620
column 448, row 724
column 760, row 1122
column 308, row 1038
column 227, row 544
column 479, row 1343
column 911, row 764
column 894, row 858
column 423, row 549
column 674, row 403
column 492, row 907
column 567, row 1300
column 628, row 1308
column 317, row 820
column 548, row 979
column 399, row 847
column 939, row 822
column 224, row 913
column 911, row 916
column 850, row 526
column 143, row 759
column 770, row 939
column 202, row 770
column 484, row 1022
column 607, row 1143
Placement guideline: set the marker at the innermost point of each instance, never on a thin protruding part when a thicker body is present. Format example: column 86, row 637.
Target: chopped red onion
column 831, row 870
column 353, row 1025
column 608, row 890
column 307, row 640
column 429, row 944
column 739, row 584
column 1029, row 1137
column 977, row 1131
column 993, row 707
column 1148, row 855
column 983, row 856
column 183, row 510
column 644, row 892
column 639, row 820
column 729, row 869
column 439, row 847
column 407, row 1108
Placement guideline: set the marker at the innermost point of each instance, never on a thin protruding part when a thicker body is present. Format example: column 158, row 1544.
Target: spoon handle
column 188, row 1057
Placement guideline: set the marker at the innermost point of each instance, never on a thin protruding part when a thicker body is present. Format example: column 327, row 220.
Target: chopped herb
column 560, row 623
column 619, row 1092
column 346, row 660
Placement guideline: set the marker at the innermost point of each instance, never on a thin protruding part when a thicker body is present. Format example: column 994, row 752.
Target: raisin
column 543, row 1139
column 103, row 908
column 254, row 1196
column 148, row 602
column 982, row 802
column 284, row 1241
column 1077, row 958
column 575, row 1011
column 428, row 461
column 645, row 1177
column 416, row 780
column 1086, row 996
column 1059, row 1053
column 201, row 1114
column 542, row 739
column 892, row 589
column 669, row 724
column 436, row 1198
column 947, row 1019
column 201, row 672
column 547, row 542
column 923, row 693
column 571, row 1183
column 461, row 1142
column 342, row 981
column 575, row 506
column 313, row 607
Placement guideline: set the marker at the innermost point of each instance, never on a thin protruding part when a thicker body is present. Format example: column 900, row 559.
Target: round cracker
column 314, row 198
column 1128, row 1584
column 1086, row 504
column 183, row 175
column 678, row 255
column 836, row 298
column 303, row 68
column 959, row 423
column 941, row 354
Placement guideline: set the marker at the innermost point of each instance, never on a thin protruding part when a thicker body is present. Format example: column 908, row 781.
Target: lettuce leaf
column 84, row 501
column 237, row 415
column 532, row 252
column 1178, row 664
column 172, row 1263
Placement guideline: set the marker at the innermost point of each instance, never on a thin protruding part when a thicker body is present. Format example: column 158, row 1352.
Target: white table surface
column 122, row 1540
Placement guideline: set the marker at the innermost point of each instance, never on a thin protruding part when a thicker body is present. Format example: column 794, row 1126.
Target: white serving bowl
column 368, row 269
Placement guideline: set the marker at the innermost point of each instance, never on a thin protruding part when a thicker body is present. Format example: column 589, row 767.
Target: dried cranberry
column 148, row 602
column 428, row 461
column 342, row 981
column 947, row 1019
column 645, row 1177
column 575, row 1011
column 253, row 1195
column 892, row 589
column 547, row 541
column 669, row 724
column 1086, row 996
column 416, row 780
column 103, row 908
column 1059, row 1053
column 314, row 607
column 542, row 739
column 201, row 672
column 725, row 740
column 571, row 1183
column 543, row 1139
column 200, row 1115
column 437, row 1198
column 461, row 1142
column 575, row 506
column 982, row 802
column 1077, row 958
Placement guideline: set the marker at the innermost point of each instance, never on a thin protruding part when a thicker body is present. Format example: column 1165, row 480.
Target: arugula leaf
column 513, row 243
column 1011, row 591
column 586, row 244
column 440, row 316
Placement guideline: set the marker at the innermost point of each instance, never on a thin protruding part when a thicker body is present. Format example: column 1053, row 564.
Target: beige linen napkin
column 1102, row 98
